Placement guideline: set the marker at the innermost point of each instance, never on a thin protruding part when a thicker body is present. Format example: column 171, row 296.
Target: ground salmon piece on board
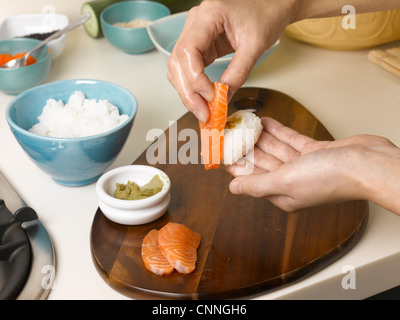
column 153, row 258
column 212, row 132
column 179, row 245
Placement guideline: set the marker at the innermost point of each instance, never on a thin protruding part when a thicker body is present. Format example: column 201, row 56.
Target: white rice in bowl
column 242, row 130
column 80, row 117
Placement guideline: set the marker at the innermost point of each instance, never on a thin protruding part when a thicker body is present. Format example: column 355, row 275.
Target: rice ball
column 242, row 130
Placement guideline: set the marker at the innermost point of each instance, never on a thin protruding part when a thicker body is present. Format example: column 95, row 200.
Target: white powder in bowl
column 136, row 23
column 80, row 117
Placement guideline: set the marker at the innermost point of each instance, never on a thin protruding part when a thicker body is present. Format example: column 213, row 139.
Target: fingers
column 243, row 168
column 286, row 135
column 258, row 162
column 186, row 64
column 269, row 152
column 242, row 63
column 266, row 161
column 193, row 100
column 275, row 147
column 255, row 185
column 209, row 33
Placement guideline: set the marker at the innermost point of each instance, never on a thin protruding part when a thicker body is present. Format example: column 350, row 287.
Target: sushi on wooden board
column 248, row 246
column 226, row 140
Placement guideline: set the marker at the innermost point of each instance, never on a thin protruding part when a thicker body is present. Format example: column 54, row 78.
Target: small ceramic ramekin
column 132, row 212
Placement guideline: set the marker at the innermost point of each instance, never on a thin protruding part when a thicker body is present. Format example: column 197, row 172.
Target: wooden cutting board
column 248, row 246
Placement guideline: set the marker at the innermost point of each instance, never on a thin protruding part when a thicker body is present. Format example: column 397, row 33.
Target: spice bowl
column 14, row 81
column 132, row 212
column 132, row 40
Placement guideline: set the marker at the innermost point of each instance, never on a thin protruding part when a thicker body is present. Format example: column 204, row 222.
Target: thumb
column 243, row 62
column 255, row 185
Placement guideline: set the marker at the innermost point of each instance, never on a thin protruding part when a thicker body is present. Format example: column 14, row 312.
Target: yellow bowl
column 371, row 29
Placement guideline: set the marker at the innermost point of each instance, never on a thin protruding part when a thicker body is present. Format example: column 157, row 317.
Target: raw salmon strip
column 153, row 258
column 212, row 132
column 179, row 245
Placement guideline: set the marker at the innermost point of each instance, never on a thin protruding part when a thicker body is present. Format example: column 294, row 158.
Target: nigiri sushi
column 226, row 140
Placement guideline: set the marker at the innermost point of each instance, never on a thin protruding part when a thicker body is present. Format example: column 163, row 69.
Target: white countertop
column 345, row 91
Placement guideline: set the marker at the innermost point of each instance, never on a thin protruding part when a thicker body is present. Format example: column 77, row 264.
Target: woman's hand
column 295, row 172
column 248, row 28
column 214, row 29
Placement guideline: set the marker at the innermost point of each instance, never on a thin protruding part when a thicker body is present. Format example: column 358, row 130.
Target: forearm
column 304, row 9
column 378, row 174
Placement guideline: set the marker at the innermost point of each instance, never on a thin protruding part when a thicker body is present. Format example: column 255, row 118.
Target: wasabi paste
column 131, row 191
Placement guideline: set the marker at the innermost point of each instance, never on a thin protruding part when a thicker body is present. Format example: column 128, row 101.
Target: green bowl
column 131, row 40
column 14, row 81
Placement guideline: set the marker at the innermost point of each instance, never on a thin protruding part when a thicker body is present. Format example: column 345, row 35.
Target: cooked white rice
column 80, row 117
column 240, row 135
column 136, row 23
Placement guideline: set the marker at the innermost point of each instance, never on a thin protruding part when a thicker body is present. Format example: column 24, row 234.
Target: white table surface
column 345, row 91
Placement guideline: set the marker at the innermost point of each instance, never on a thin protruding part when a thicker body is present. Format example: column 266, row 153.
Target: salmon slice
column 153, row 258
column 179, row 245
column 212, row 132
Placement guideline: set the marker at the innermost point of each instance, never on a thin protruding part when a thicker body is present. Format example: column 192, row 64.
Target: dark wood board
column 248, row 246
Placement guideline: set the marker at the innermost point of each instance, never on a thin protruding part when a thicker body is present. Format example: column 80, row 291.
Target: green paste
column 233, row 122
column 131, row 191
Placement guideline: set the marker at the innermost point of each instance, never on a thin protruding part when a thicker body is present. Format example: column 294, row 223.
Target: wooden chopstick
column 388, row 59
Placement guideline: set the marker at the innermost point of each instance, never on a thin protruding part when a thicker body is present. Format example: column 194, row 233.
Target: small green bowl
column 131, row 40
column 14, row 81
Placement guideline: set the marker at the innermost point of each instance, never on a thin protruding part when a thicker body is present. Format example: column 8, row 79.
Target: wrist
column 377, row 176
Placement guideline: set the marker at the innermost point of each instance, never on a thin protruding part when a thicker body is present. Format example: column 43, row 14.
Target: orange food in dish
column 5, row 57
column 174, row 246
column 212, row 132
column 179, row 245
column 153, row 258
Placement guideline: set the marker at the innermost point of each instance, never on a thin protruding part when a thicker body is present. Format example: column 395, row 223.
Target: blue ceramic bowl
column 70, row 161
column 14, row 81
column 165, row 32
column 131, row 40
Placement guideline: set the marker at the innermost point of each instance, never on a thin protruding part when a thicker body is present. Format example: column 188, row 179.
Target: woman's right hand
column 214, row 29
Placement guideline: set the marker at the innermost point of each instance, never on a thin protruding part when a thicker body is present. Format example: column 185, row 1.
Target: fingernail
column 236, row 187
column 199, row 115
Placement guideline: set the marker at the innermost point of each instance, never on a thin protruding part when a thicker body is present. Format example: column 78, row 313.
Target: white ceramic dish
column 165, row 32
column 26, row 24
column 132, row 212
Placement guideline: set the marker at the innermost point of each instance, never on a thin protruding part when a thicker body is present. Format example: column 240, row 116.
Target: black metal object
column 15, row 252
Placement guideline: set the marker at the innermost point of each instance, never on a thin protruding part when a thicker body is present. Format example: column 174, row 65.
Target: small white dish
column 27, row 24
column 132, row 212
